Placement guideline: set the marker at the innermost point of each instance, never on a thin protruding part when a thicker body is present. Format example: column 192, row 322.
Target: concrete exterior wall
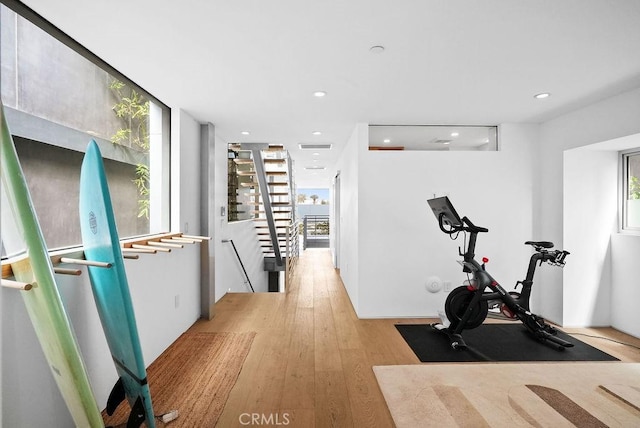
column 48, row 167
column 46, row 70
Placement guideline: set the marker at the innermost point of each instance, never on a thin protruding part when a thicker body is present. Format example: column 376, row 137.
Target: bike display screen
column 443, row 206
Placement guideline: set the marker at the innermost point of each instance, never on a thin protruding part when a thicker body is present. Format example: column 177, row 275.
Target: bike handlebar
column 555, row 258
column 472, row 227
column 466, row 226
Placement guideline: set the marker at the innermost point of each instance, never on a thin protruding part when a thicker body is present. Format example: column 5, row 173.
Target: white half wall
column 232, row 278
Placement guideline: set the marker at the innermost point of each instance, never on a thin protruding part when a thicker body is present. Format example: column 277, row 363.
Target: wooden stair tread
column 252, row 194
column 275, row 204
column 270, row 183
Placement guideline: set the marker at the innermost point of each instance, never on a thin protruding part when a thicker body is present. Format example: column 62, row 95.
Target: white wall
column 603, row 121
column 221, row 199
column 528, row 190
column 185, row 166
column 399, row 242
column 349, row 216
column 154, row 280
column 590, row 216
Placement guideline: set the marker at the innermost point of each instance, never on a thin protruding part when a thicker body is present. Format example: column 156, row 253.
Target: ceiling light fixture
column 319, row 94
column 378, row 49
column 455, row 134
column 386, row 141
column 317, row 133
column 246, row 133
column 542, row 95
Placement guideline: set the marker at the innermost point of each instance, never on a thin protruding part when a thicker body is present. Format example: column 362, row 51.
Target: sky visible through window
column 323, row 194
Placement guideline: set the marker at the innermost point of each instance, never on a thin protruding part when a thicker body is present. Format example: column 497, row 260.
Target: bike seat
column 540, row 244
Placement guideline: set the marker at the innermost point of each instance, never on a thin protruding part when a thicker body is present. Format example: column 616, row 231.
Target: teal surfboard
column 24, row 243
column 111, row 291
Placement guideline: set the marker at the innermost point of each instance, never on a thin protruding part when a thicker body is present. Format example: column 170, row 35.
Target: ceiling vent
column 315, row 146
column 439, row 141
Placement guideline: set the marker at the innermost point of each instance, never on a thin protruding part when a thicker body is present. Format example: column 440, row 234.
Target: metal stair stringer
column 261, row 175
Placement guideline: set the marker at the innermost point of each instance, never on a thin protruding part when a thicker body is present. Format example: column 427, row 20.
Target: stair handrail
column 293, row 252
column 240, row 260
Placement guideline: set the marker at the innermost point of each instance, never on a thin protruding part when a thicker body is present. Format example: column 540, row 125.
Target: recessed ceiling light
column 316, row 154
column 317, row 133
column 376, row 49
column 386, row 141
column 319, row 94
column 446, row 143
column 245, row 133
column 542, row 95
column 455, row 134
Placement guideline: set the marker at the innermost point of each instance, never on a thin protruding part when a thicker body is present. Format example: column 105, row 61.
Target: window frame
column 624, row 187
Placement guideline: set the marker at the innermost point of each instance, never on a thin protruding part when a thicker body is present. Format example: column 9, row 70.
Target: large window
column 631, row 191
column 57, row 97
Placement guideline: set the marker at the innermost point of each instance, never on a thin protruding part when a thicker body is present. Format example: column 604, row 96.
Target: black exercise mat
column 493, row 342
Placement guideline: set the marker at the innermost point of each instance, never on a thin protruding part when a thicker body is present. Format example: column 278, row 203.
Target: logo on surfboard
column 93, row 224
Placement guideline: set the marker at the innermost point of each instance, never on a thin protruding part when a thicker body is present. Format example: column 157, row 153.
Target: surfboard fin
column 116, row 397
column 137, row 415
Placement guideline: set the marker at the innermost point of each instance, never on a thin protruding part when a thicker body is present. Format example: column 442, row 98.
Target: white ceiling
column 254, row 64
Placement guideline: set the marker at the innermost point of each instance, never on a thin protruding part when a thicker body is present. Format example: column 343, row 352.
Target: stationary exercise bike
column 467, row 306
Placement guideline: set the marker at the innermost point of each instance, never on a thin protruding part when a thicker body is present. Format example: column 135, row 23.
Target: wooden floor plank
column 311, row 360
column 299, row 389
column 368, row 408
column 333, row 408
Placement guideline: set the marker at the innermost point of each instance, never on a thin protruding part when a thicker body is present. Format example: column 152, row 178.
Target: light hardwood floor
column 311, row 361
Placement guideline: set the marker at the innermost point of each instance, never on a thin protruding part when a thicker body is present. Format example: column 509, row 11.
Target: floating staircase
column 261, row 189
